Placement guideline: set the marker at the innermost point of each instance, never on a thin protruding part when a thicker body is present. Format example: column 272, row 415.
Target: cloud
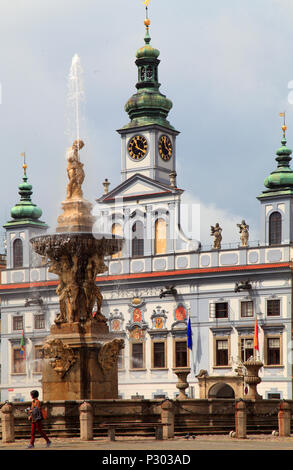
column 210, row 214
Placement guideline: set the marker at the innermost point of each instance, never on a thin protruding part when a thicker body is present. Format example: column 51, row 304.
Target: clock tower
column 148, row 144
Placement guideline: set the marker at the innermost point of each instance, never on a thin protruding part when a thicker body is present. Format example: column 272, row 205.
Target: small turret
column 25, row 211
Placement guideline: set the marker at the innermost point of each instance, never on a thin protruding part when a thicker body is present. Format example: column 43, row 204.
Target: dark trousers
column 37, row 426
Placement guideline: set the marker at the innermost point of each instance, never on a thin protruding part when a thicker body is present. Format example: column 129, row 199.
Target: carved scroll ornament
column 109, row 353
column 60, row 355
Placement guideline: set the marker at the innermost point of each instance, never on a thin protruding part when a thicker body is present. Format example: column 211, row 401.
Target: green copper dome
column 147, row 51
column 25, row 211
column 282, row 177
column 148, row 106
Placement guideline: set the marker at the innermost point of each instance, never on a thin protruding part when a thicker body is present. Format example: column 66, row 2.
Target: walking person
column 35, row 415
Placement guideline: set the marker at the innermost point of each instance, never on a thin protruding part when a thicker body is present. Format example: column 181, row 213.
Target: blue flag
column 189, row 334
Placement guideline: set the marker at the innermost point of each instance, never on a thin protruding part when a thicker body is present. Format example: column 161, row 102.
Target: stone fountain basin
column 81, row 243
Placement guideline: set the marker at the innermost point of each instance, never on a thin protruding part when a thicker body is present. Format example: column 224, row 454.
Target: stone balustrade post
column 284, row 419
column 167, row 419
column 7, row 422
column 240, row 419
column 86, row 421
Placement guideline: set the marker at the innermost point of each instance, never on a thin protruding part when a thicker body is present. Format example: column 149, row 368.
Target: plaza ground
column 204, row 443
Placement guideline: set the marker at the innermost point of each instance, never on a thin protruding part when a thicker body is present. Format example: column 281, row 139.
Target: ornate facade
column 160, row 277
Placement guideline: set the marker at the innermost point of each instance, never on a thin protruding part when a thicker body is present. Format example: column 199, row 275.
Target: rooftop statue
column 244, row 233
column 216, row 232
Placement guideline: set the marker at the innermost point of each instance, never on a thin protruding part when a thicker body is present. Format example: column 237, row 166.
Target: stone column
column 240, row 419
column 7, row 421
column 167, row 419
column 284, row 419
column 86, row 421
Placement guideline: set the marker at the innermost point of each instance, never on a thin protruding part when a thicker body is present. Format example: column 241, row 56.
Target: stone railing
column 89, row 419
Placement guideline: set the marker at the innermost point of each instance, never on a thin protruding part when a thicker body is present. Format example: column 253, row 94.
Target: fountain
column 80, row 360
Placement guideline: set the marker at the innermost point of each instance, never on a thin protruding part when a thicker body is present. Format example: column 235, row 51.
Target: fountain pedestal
column 80, row 362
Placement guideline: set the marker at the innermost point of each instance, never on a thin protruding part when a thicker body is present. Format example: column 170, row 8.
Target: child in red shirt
column 35, row 415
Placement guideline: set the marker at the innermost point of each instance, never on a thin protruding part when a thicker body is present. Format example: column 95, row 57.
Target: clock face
column 137, row 147
column 165, row 147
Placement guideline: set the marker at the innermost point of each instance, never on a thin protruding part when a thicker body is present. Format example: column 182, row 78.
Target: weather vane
column 146, row 3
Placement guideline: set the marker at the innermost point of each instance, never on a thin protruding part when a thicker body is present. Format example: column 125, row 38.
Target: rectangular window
column 137, row 356
column 246, row 348
column 18, row 323
column 273, row 352
column 159, row 357
column 180, row 354
column 222, row 352
column 18, row 361
column 247, row 309
column 274, row 396
column 38, row 359
column 222, row 310
column 39, row 322
column 273, row 307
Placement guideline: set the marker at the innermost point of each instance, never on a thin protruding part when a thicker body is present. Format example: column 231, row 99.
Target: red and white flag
column 255, row 338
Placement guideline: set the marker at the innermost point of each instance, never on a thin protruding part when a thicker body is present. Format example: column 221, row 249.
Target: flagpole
column 190, row 342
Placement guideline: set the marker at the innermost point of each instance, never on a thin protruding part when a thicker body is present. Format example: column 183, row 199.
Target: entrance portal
column 221, row 390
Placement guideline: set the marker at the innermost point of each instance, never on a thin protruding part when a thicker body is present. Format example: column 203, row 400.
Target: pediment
column 138, row 185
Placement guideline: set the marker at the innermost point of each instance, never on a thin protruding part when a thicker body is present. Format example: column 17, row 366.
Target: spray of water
column 75, row 99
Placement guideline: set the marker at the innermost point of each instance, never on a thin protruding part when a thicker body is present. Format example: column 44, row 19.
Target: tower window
column 160, row 236
column 142, row 74
column 149, row 72
column 17, row 254
column 275, row 228
column 137, row 239
column 117, row 230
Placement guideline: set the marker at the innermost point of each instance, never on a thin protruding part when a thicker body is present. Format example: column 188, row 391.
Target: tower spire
column 148, row 106
column 281, row 179
column 25, row 211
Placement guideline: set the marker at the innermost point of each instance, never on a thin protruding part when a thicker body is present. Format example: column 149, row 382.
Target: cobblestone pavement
column 206, row 442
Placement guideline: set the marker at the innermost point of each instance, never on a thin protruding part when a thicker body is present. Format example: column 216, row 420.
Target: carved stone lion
column 109, row 353
column 60, row 355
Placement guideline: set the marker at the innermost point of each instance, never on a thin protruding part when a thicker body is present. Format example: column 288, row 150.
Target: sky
column 226, row 66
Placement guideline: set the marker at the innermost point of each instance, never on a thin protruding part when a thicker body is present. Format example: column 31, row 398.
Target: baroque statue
column 216, row 232
column 75, row 171
column 78, row 298
column 244, row 234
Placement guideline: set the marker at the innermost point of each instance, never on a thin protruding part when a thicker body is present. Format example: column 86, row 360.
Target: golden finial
column 24, row 166
column 147, row 21
column 284, row 127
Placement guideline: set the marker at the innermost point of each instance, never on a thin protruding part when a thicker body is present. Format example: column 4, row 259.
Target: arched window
column 17, row 253
column 142, row 74
column 160, row 236
column 137, row 239
column 149, row 72
column 117, row 230
column 275, row 228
